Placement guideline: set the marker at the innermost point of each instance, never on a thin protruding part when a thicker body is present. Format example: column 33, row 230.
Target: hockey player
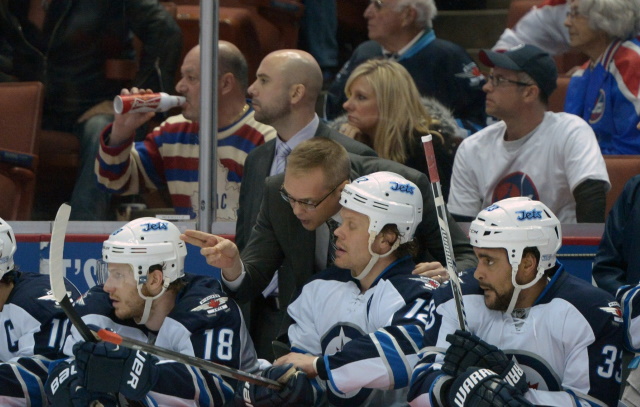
column 147, row 296
column 537, row 334
column 33, row 327
column 358, row 325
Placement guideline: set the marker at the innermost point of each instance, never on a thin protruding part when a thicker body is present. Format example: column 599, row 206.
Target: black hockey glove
column 109, row 368
column 479, row 387
column 297, row 390
column 468, row 350
column 63, row 389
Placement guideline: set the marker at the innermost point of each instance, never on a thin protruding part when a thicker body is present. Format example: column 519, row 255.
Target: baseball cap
column 526, row 58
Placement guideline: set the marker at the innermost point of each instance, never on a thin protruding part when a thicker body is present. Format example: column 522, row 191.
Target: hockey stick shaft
column 112, row 337
column 445, row 235
column 56, row 278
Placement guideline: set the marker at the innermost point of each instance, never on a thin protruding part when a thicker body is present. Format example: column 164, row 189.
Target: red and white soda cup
column 146, row 102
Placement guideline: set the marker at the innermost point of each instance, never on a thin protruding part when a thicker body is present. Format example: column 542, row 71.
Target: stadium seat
column 20, row 118
column 556, row 100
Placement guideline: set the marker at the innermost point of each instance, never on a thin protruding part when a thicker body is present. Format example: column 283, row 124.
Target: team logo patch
column 599, row 108
column 472, row 72
column 49, row 296
column 212, row 304
column 528, row 215
column 429, row 283
column 406, row 188
column 515, row 184
column 614, row 309
column 147, row 227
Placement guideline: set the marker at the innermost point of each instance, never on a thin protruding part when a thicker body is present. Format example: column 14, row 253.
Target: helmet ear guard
column 514, row 224
column 8, row 247
column 386, row 198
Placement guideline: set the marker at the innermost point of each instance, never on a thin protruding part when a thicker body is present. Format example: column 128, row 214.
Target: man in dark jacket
column 67, row 44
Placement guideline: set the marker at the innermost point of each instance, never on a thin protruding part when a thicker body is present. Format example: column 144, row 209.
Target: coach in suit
column 288, row 84
column 292, row 236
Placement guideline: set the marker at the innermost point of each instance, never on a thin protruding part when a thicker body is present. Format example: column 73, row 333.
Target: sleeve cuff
column 235, row 284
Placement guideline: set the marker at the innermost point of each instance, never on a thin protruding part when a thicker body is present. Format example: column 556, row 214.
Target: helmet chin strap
column 520, row 287
column 149, row 300
column 374, row 256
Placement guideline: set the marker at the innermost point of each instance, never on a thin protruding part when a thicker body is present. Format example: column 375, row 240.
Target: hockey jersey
column 369, row 341
column 606, row 95
column 569, row 344
column 204, row 323
column 33, row 329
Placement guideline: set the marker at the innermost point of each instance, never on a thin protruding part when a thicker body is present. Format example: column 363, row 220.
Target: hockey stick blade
column 56, row 272
column 56, row 278
column 441, row 213
column 116, row 339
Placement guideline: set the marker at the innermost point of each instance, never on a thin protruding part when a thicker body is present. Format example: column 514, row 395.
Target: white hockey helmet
column 515, row 224
column 7, row 247
column 386, row 198
column 143, row 243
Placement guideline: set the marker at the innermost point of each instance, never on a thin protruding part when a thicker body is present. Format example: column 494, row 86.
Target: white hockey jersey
column 569, row 345
column 369, row 341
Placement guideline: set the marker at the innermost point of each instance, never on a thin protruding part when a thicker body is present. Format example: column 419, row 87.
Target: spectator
column 402, row 30
column 66, row 45
column 605, row 91
column 337, row 337
column 384, row 111
column 33, row 324
column 537, row 334
column 551, row 157
column 292, row 234
column 159, row 303
column 168, row 157
column 542, row 26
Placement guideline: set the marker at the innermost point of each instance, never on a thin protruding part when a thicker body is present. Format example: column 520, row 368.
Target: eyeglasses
column 378, row 4
column 306, row 205
column 573, row 13
column 501, row 80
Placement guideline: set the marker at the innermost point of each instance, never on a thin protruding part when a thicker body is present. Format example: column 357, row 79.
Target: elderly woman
column 386, row 112
column 604, row 92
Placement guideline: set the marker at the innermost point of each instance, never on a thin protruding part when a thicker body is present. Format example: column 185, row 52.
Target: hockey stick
column 56, row 277
column 441, row 212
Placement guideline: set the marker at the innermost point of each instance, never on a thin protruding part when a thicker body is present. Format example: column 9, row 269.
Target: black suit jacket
column 279, row 242
column 257, row 167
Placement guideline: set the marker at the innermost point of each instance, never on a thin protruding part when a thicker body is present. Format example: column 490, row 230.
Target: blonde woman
column 386, row 112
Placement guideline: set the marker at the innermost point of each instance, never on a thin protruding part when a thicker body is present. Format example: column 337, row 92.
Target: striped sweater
column 168, row 158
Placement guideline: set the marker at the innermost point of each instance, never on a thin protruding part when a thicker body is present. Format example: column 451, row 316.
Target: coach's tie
column 331, row 253
column 282, row 152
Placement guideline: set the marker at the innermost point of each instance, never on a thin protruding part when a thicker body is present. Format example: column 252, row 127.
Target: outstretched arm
column 218, row 251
